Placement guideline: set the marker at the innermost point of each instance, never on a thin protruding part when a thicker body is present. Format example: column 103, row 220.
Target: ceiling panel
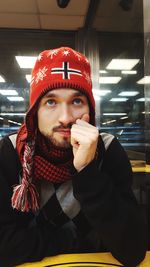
column 74, row 7
column 61, row 22
column 19, row 21
column 15, row 6
column 110, row 16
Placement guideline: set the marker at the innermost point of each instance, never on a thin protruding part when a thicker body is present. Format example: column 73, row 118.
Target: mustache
column 61, row 127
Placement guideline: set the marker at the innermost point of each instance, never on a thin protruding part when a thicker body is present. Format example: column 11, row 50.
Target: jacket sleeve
column 22, row 239
column 108, row 202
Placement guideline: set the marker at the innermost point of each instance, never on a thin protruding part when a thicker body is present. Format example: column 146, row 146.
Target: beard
column 62, row 142
column 56, row 139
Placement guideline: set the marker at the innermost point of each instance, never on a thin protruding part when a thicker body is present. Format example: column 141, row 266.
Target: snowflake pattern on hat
column 87, row 77
column 66, row 53
column 52, row 53
column 87, row 61
column 77, row 55
column 41, row 74
column 40, row 57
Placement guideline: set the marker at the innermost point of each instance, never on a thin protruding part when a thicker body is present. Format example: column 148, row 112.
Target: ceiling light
column 142, row 99
column 103, row 71
column 26, row 62
column 145, row 112
column 100, row 92
column 114, row 114
column 122, row 64
column 28, row 78
column 109, row 122
column 144, row 80
column 123, row 118
column 12, row 114
column 2, row 80
column 109, row 80
column 15, row 98
column 128, row 93
column 117, row 99
column 14, row 122
column 96, row 97
column 8, row 92
column 129, row 72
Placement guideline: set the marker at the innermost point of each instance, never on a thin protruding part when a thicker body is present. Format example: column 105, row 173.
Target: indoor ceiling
column 107, row 15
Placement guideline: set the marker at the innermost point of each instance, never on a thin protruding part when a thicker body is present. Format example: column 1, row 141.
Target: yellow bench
column 86, row 260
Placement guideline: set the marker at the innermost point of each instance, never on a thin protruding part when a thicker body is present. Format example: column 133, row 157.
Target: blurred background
column 113, row 34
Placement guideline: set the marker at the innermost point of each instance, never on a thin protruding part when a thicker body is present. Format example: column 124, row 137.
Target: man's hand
column 84, row 138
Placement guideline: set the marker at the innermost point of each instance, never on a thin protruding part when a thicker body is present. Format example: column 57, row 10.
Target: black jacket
column 109, row 218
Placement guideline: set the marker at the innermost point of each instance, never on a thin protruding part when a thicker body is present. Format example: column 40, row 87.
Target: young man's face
column 57, row 111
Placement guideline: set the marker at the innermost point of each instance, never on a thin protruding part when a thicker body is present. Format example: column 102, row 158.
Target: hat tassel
column 25, row 197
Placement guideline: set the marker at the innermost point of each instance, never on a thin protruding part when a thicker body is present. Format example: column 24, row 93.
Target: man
column 65, row 188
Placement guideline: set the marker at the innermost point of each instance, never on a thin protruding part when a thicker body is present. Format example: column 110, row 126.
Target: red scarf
column 52, row 163
column 40, row 161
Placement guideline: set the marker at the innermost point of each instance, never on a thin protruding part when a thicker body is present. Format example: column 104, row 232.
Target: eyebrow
column 50, row 94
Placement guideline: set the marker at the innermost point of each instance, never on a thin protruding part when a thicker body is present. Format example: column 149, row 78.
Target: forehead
column 63, row 92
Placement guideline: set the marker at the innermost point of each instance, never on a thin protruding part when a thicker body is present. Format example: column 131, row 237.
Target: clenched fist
column 84, row 138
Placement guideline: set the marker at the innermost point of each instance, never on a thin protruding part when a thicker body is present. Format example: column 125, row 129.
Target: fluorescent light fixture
column 129, row 71
column 96, row 97
column 111, row 121
column 1, row 118
column 26, row 62
column 14, row 122
column 142, row 99
column 117, row 99
column 122, row 64
column 114, row 114
column 108, row 122
column 15, row 98
column 128, row 93
column 123, row 118
column 12, row 114
column 103, row 71
column 109, row 80
column 2, row 80
column 144, row 80
column 28, row 78
column 100, row 92
column 8, row 92
column 145, row 112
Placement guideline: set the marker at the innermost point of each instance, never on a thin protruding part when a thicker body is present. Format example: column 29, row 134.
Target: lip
column 64, row 132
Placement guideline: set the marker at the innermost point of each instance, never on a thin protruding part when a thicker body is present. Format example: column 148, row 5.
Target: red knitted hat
column 60, row 68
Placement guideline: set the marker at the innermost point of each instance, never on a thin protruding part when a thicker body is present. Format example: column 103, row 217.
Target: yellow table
column 140, row 166
column 87, row 259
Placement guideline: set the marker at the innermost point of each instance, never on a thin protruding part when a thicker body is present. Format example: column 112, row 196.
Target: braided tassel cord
column 25, row 195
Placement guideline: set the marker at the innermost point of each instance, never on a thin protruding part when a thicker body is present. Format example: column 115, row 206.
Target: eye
column 51, row 103
column 77, row 101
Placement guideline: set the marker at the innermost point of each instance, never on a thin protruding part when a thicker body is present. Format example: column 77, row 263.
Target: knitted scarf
column 52, row 163
column 40, row 160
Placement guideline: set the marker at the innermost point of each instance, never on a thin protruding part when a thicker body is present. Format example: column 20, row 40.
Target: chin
column 61, row 142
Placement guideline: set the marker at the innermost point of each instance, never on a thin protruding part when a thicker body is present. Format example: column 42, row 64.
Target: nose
column 65, row 115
